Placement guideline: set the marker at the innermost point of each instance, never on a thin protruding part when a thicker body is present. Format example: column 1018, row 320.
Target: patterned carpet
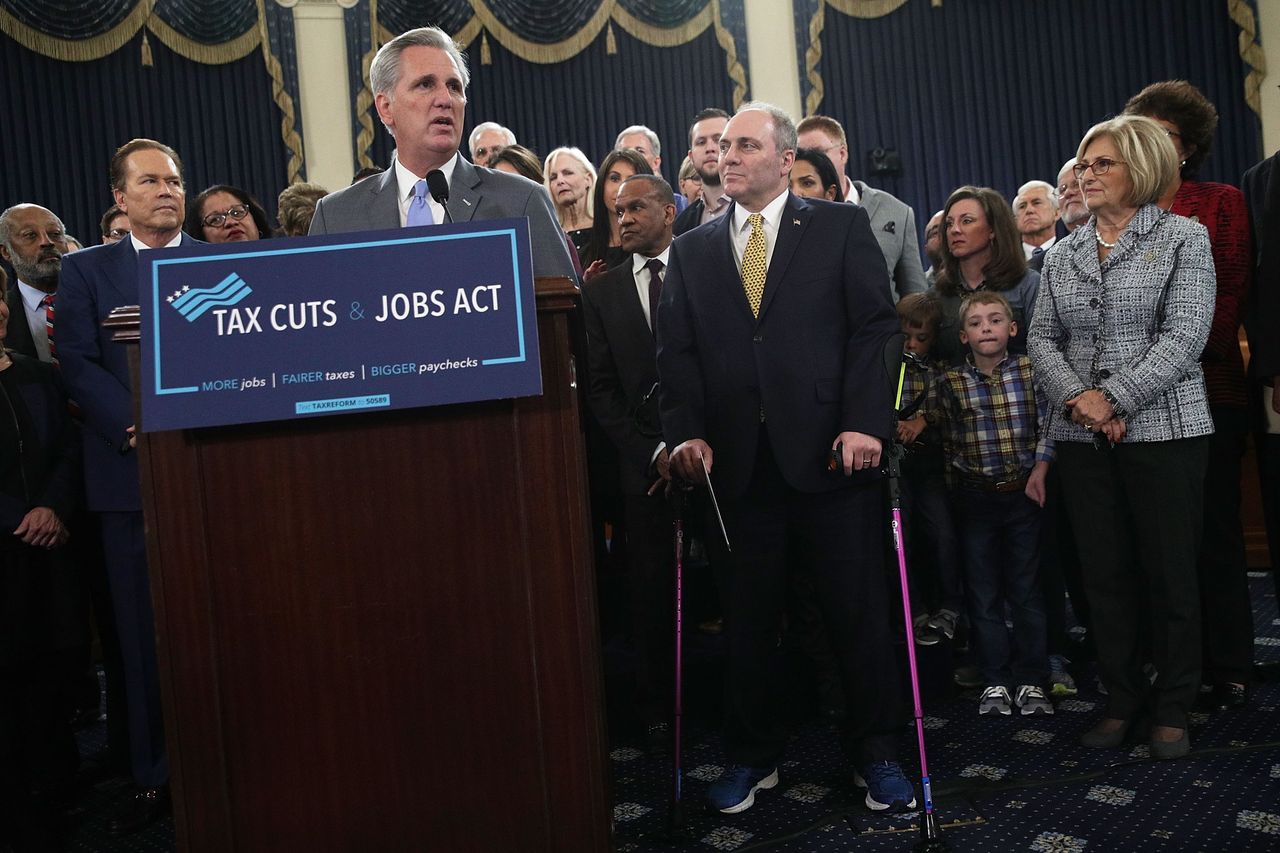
column 1000, row 784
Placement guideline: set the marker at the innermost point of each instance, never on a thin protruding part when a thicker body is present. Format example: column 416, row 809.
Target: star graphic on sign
column 171, row 298
column 185, row 288
column 176, row 294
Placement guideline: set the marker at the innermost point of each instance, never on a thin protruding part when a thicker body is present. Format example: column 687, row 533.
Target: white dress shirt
column 642, row 278
column 139, row 246
column 741, row 228
column 407, row 180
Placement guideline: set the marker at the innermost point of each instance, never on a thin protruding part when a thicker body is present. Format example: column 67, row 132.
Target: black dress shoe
column 139, row 810
column 1228, row 697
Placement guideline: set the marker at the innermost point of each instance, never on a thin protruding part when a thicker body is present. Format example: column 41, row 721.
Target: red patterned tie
column 47, row 305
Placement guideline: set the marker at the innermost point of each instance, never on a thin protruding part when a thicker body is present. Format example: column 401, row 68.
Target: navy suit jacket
column 475, row 193
column 96, row 369
column 622, row 366
column 813, row 359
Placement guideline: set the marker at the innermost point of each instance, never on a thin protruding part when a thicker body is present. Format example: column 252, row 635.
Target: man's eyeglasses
column 117, row 233
column 215, row 220
column 481, row 153
column 1100, row 167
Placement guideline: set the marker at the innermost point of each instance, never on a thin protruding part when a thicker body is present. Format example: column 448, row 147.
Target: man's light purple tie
column 419, row 210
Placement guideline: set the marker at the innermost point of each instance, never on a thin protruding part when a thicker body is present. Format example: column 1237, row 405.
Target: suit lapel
column 121, row 272
column 720, row 252
column 384, row 194
column 869, row 201
column 464, row 194
column 793, row 221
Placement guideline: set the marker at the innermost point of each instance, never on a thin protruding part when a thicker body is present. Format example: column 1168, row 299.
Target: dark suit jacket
column 813, row 358
column 18, row 338
column 51, row 452
column 96, row 369
column 474, row 194
column 689, row 219
column 623, row 368
column 1261, row 185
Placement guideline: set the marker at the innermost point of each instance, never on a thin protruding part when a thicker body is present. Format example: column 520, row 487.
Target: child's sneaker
column 995, row 700
column 1031, row 700
column 1060, row 681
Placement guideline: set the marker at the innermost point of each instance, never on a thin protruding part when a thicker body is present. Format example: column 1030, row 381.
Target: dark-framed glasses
column 1100, row 167
column 215, row 220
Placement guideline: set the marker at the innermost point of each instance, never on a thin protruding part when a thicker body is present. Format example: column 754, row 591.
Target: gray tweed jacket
column 1134, row 325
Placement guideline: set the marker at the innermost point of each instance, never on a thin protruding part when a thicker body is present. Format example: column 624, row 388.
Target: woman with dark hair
column 518, row 160
column 981, row 250
column 1189, row 119
column 42, row 617
column 226, row 214
column 813, row 175
column 604, row 249
column 1125, row 311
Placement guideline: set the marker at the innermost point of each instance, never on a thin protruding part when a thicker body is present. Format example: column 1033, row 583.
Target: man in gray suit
column 419, row 81
column 892, row 221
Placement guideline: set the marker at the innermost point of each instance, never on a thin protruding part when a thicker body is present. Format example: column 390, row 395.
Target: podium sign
column 279, row 329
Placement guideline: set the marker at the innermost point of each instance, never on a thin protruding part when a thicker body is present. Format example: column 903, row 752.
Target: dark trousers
column 1060, row 574
column 651, row 601
column 1000, row 540
column 1225, row 608
column 124, row 544
column 839, row 535
column 933, row 549
column 1137, row 509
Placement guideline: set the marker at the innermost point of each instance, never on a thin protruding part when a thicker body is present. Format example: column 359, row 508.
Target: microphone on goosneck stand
column 439, row 188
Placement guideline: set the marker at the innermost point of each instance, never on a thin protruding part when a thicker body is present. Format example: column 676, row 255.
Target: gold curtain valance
column 484, row 24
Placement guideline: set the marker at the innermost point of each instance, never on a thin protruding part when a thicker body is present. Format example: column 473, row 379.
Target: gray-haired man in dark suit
column 419, row 81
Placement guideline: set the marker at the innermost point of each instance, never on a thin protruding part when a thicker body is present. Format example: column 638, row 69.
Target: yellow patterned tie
column 753, row 264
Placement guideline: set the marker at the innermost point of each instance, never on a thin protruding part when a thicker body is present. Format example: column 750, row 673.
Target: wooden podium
column 378, row 632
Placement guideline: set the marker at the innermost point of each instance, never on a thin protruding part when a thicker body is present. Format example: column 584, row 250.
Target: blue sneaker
column 886, row 787
column 735, row 790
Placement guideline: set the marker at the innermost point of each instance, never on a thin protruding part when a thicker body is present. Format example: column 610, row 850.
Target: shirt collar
column 406, row 180
column 638, row 260
column 139, row 246
column 852, row 193
column 31, row 296
column 717, row 196
column 996, row 371
column 772, row 212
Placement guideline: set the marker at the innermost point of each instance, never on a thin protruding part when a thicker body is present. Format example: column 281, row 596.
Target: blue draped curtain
column 997, row 93
column 79, row 84
column 569, row 72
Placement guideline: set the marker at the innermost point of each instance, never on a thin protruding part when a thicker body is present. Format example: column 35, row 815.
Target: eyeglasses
column 117, row 233
column 491, row 152
column 215, row 220
column 1100, row 167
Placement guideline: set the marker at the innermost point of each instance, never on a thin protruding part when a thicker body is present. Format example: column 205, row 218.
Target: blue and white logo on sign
column 192, row 302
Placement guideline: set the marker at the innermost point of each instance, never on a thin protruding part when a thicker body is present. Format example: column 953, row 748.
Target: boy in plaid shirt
column 994, row 421
column 929, row 530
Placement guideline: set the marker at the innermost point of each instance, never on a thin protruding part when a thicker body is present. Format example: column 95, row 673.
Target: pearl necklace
column 1103, row 243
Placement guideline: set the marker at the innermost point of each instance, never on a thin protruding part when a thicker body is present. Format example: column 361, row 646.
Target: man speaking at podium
column 419, row 81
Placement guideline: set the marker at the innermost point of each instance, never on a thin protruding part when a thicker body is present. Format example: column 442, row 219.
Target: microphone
column 439, row 188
